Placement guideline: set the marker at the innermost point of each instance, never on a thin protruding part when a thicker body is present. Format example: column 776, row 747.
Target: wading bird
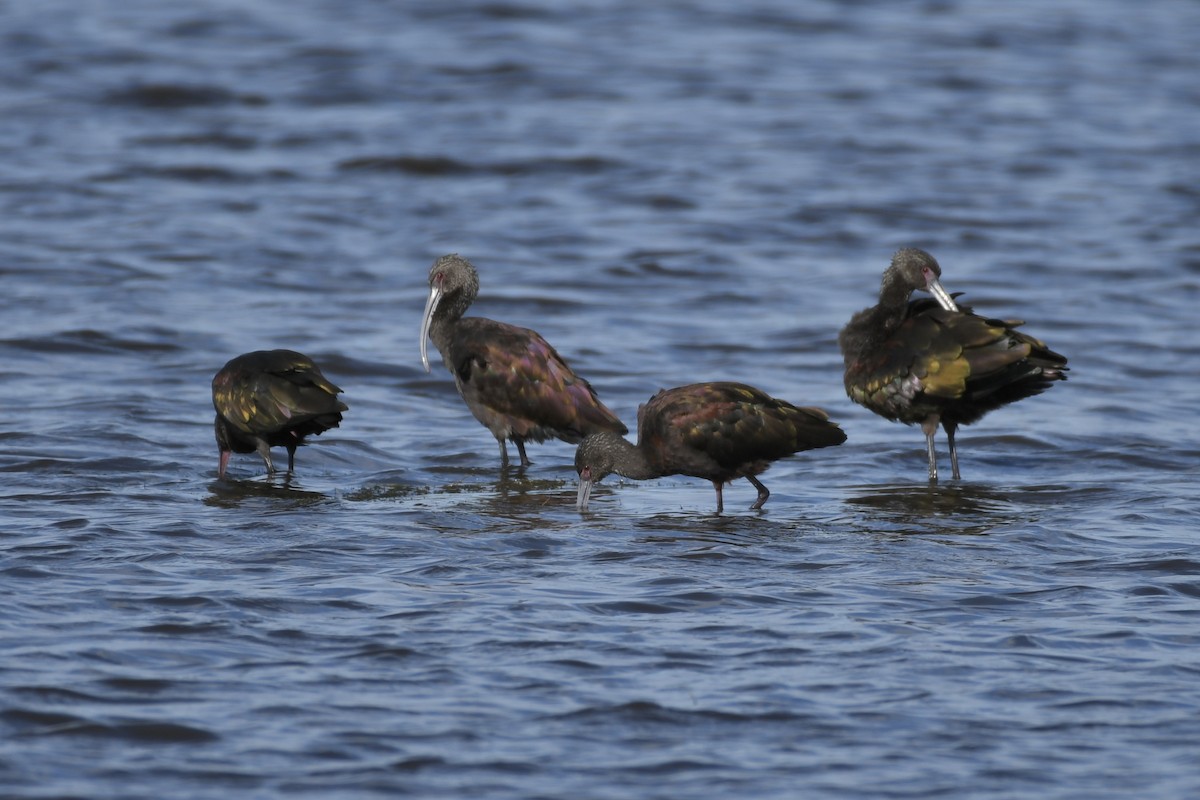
column 511, row 379
column 716, row 431
column 929, row 362
column 271, row 398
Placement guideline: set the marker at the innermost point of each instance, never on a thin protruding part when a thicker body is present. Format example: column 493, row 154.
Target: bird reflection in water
column 957, row 509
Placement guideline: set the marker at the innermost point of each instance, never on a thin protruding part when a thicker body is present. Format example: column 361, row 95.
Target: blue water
column 669, row 193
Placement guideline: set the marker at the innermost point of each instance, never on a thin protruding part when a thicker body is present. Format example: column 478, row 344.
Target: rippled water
column 669, row 192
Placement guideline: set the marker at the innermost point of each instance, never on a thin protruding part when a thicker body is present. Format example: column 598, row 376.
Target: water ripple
column 668, row 193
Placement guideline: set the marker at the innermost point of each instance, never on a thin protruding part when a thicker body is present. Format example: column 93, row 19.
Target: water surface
column 669, row 192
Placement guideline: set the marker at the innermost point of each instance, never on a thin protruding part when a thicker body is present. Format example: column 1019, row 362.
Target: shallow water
column 669, row 193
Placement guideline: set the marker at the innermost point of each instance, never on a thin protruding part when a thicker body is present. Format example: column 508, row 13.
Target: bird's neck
column 894, row 293
column 439, row 334
column 448, row 312
column 871, row 327
column 892, row 307
column 630, row 461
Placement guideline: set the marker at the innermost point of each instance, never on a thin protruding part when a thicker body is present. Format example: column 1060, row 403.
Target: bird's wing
column 945, row 354
column 733, row 424
column 515, row 372
column 272, row 398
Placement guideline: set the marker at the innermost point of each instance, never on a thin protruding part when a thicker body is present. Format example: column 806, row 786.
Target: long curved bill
column 585, row 492
column 435, row 297
column 934, row 287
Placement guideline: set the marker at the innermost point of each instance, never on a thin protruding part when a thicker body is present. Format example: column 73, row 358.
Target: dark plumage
column 933, row 363
column 715, row 431
column 271, row 398
column 515, row 383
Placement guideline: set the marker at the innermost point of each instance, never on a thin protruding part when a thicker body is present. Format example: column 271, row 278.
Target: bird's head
column 594, row 460
column 224, row 446
column 919, row 270
column 454, row 284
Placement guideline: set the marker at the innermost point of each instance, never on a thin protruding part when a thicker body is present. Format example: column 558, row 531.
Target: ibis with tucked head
column 930, row 362
column 271, row 398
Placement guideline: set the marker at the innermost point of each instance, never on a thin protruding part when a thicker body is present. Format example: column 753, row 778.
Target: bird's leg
column 291, row 459
column 503, row 454
column 264, row 450
column 950, row 428
column 930, row 426
column 520, row 443
column 763, row 494
column 720, row 503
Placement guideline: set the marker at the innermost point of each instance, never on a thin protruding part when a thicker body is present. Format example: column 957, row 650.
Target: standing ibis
column 716, row 431
column 929, row 362
column 513, row 381
column 271, row 398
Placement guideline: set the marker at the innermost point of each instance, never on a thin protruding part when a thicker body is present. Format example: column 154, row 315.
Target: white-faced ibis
column 934, row 363
column 716, row 431
column 513, row 381
column 271, row 398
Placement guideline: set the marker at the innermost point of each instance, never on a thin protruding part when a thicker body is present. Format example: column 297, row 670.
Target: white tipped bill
column 435, row 296
column 934, row 287
column 585, row 492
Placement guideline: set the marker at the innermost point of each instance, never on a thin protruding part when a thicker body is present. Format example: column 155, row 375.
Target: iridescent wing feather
column 514, row 372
